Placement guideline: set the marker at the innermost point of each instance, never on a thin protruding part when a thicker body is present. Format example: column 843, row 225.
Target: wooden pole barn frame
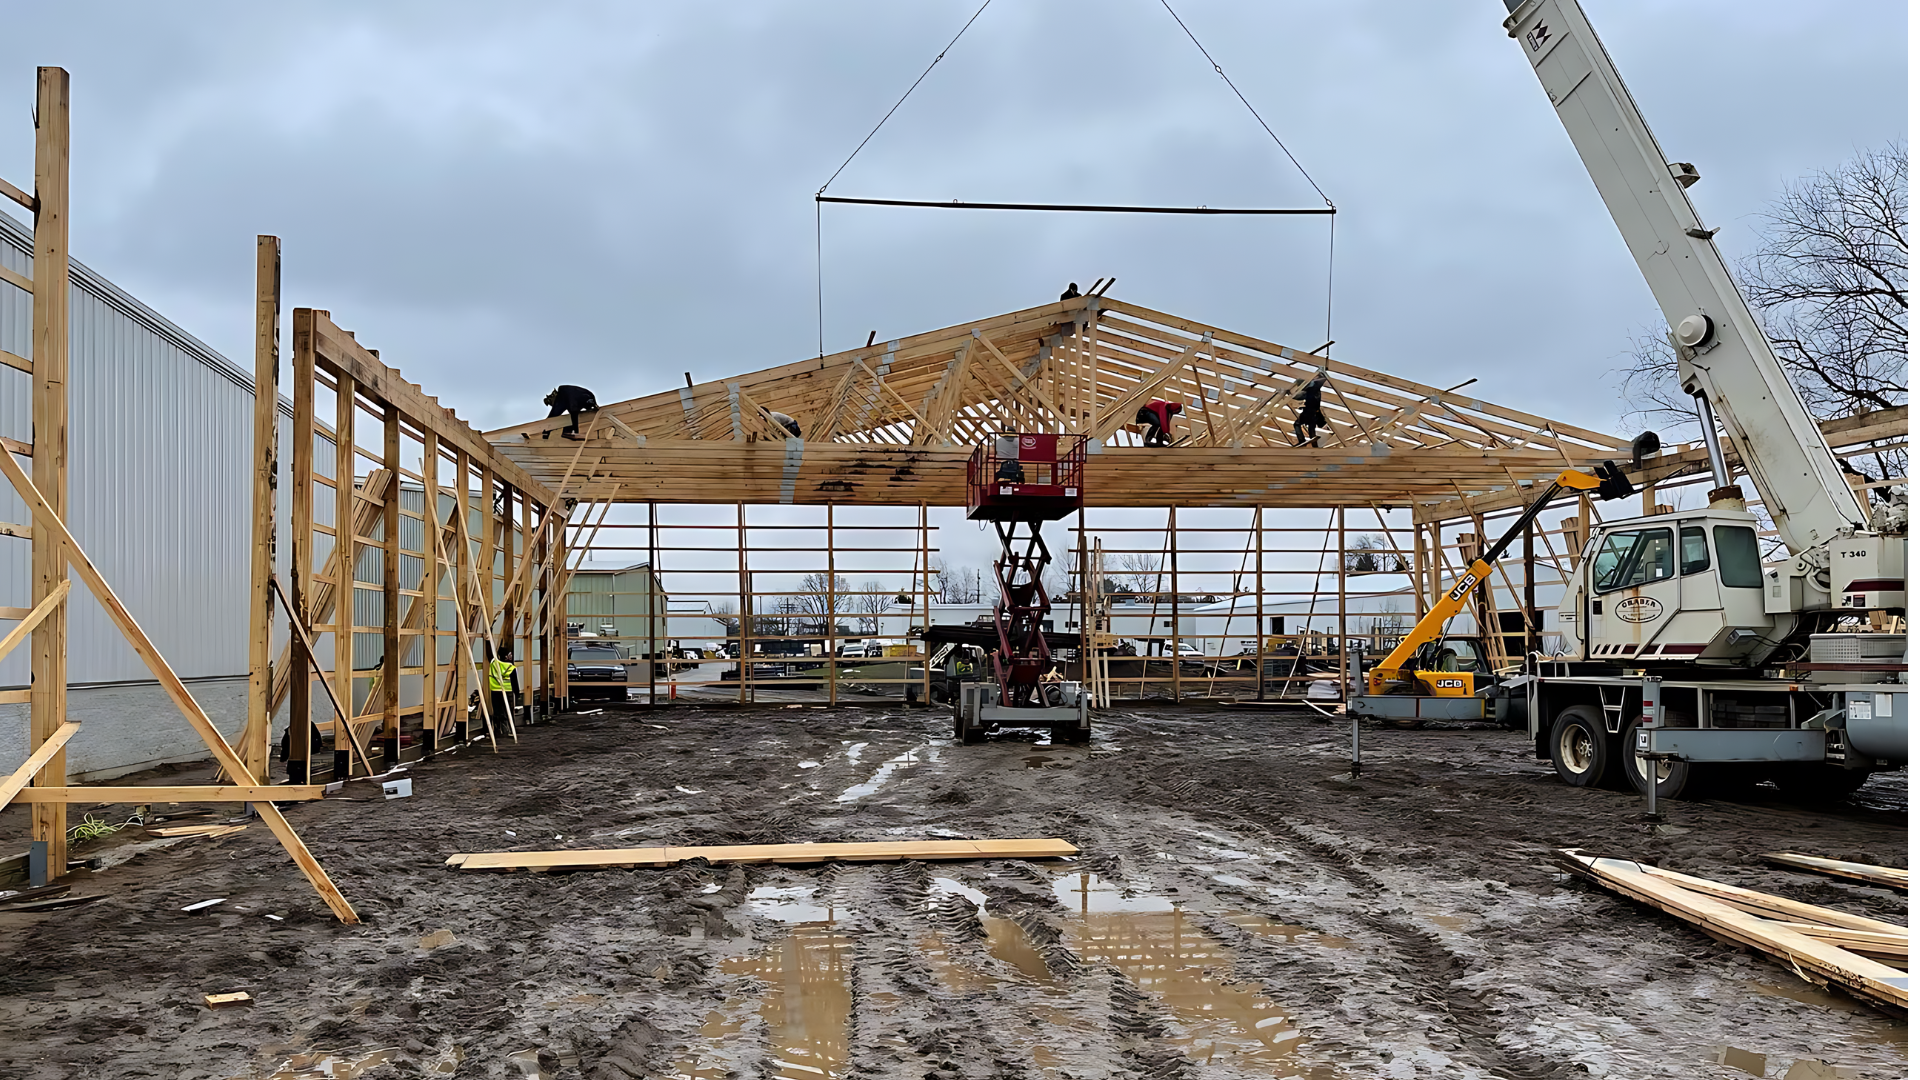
column 892, row 423
column 42, row 780
column 417, row 553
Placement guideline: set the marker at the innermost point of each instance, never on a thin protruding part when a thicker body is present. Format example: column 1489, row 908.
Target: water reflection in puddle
column 1005, row 942
column 880, row 776
column 1089, row 894
column 807, row 1001
column 1292, row 934
column 1156, row 945
column 1167, row 956
column 332, row 1064
column 789, row 904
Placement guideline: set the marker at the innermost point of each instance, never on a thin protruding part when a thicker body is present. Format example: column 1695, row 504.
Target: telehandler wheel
column 1579, row 746
column 1675, row 776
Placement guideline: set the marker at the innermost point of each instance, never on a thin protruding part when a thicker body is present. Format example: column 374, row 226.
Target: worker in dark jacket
column 571, row 400
column 1158, row 416
column 1308, row 421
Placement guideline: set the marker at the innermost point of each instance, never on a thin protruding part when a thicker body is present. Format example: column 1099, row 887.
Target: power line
column 1090, row 208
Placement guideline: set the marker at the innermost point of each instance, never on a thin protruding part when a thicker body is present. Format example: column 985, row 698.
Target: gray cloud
column 500, row 199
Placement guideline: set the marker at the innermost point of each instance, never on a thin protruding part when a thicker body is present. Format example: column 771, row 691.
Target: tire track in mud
column 1424, row 958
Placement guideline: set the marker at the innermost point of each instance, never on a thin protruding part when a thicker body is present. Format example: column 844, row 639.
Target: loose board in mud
column 1885, row 876
column 1823, row 946
column 879, row 851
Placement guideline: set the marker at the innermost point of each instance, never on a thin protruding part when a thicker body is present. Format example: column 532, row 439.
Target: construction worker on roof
column 572, row 401
column 1158, row 416
column 1308, row 421
column 503, row 682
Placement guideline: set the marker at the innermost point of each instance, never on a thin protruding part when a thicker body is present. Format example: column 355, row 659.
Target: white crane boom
column 1724, row 358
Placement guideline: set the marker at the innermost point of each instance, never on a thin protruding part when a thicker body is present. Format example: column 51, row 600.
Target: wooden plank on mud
column 1885, row 876
column 878, row 851
column 1816, row 961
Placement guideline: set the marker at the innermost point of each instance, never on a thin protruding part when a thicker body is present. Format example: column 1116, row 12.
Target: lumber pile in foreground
column 880, row 851
column 1821, row 945
column 1885, row 876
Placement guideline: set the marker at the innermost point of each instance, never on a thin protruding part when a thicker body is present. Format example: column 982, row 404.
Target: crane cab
column 1686, row 588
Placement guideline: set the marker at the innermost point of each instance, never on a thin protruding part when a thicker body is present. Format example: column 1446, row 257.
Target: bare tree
column 822, row 599
column 1829, row 283
column 872, row 601
column 1139, row 570
column 1369, row 553
column 950, row 584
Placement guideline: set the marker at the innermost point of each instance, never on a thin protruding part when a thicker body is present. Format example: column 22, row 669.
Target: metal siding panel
column 159, row 483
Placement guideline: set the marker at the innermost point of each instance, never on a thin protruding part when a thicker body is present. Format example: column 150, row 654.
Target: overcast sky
column 502, row 197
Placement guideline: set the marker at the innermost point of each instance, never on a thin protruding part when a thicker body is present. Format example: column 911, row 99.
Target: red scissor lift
column 1019, row 482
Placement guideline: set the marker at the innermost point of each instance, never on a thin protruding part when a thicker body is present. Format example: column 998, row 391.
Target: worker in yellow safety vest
column 503, row 683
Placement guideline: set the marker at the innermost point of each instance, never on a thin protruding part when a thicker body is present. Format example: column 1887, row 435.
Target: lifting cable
column 820, row 197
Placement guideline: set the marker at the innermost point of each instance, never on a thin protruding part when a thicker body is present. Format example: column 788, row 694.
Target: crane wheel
column 1675, row 776
column 1581, row 751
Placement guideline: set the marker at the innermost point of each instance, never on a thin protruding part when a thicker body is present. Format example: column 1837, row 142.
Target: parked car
column 596, row 671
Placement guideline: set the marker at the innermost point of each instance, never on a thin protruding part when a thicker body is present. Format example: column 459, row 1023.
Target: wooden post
column 430, row 594
column 746, row 599
column 1173, row 580
column 300, row 659
column 1532, row 640
column 653, row 598
column 345, row 501
column 47, row 699
column 462, row 574
column 390, row 594
column 266, row 480
column 1259, row 603
column 1419, row 572
column 833, row 607
column 523, row 609
column 1341, row 566
column 926, row 606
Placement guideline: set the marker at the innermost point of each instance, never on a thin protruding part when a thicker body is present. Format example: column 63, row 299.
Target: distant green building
column 627, row 605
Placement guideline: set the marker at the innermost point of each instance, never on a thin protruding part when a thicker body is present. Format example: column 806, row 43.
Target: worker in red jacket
column 1158, row 416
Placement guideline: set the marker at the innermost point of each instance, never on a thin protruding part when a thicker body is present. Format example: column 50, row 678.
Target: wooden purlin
column 852, row 473
column 1879, row 426
column 1100, row 365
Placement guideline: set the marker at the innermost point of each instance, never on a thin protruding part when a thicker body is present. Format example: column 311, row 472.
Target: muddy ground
column 1242, row 907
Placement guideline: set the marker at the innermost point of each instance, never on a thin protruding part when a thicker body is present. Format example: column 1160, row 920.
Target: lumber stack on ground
column 880, row 851
column 1885, row 876
column 1823, row 946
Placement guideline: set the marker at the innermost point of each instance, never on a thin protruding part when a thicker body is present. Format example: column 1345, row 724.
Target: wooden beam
column 1122, row 411
column 15, row 278
column 881, row 851
column 266, row 482
column 16, row 362
column 389, row 703
column 55, row 530
column 343, row 724
column 1859, row 975
column 37, row 760
column 299, row 655
column 1886, row 876
column 18, row 196
column 51, row 334
column 253, row 793
column 35, row 617
column 338, row 348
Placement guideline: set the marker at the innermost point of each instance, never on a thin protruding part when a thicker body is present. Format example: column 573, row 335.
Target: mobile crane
column 1764, row 669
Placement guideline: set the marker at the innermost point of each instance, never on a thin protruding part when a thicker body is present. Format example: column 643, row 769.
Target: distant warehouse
column 160, row 445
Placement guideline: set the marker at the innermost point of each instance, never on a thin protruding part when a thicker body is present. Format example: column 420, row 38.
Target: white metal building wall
column 159, row 488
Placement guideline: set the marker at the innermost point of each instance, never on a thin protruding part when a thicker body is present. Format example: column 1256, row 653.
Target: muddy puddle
column 885, row 772
column 805, row 1006
column 1156, row 945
